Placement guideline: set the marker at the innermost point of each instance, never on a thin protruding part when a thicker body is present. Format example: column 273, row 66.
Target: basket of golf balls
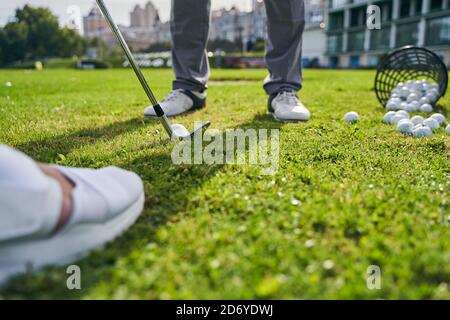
column 412, row 80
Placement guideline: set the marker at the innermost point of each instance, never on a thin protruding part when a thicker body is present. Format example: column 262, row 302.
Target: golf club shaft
column 115, row 29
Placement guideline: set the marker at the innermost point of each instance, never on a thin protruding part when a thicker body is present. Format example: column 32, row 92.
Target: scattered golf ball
column 396, row 119
column 388, row 116
column 351, row 117
column 403, row 112
column 417, row 120
column 426, row 108
column 439, row 118
column 405, row 126
column 431, row 123
column 422, row 131
column 8, row 84
column 447, row 129
column 392, row 105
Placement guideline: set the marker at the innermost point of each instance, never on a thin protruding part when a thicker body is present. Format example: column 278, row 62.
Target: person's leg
column 190, row 28
column 286, row 21
column 54, row 214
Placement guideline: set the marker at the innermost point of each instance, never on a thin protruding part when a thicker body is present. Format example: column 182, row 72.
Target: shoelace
column 288, row 97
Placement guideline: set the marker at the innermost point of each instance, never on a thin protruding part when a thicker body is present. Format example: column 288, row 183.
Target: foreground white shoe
column 178, row 102
column 105, row 203
column 285, row 106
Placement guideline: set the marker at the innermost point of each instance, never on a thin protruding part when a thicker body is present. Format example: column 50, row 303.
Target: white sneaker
column 109, row 200
column 285, row 106
column 178, row 102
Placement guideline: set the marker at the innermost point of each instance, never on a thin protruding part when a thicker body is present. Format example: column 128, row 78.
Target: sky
column 119, row 8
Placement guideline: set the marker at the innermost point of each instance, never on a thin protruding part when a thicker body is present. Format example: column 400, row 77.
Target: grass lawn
column 368, row 195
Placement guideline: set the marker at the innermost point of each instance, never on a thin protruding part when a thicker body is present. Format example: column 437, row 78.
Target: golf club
column 175, row 131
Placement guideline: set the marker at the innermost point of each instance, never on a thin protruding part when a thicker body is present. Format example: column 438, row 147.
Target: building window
column 336, row 20
column 380, row 39
column 334, row 43
column 407, row 34
column 438, row 31
column 410, row 8
column 358, row 17
column 356, row 41
column 405, row 8
column 436, row 5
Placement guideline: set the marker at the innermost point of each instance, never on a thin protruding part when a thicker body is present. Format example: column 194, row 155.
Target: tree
column 35, row 33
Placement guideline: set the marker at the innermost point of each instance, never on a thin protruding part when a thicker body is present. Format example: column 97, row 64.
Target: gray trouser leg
column 190, row 27
column 286, row 21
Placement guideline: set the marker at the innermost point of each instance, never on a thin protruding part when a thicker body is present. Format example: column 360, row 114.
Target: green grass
column 369, row 195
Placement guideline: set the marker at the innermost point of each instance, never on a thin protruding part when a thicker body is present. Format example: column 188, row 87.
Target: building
column 145, row 28
column 236, row 26
column 145, row 17
column 94, row 25
column 350, row 44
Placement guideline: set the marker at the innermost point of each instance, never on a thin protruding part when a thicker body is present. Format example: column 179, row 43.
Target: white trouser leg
column 30, row 202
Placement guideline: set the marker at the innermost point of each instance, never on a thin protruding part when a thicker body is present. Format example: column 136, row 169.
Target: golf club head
column 179, row 132
column 202, row 127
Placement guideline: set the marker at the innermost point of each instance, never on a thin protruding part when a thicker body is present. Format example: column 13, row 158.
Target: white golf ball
column 409, row 83
column 395, row 95
column 404, row 113
column 424, row 100
column 392, row 105
column 179, row 131
column 412, row 97
column 395, row 119
column 403, row 106
column 415, row 106
column 388, row 116
column 439, row 118
column 8, row 84
column 405, row 126
column 447, row 129
column 426, row 108
column 351, row 117
column 417, row 120
column 432, row 123
column 400, row 85
column 404, row 92
column 422, row 131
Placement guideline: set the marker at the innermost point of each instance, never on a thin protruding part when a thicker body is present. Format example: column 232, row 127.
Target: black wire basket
column 409, row 63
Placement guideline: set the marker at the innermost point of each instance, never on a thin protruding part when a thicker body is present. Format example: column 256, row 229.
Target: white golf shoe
column 105, row 203
column 178, row 102
column 285, row 106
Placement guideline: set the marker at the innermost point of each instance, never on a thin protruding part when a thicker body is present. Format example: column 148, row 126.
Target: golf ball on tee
column 351, row 117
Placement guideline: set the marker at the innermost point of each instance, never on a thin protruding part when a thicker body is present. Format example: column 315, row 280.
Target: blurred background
column 54, row 34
